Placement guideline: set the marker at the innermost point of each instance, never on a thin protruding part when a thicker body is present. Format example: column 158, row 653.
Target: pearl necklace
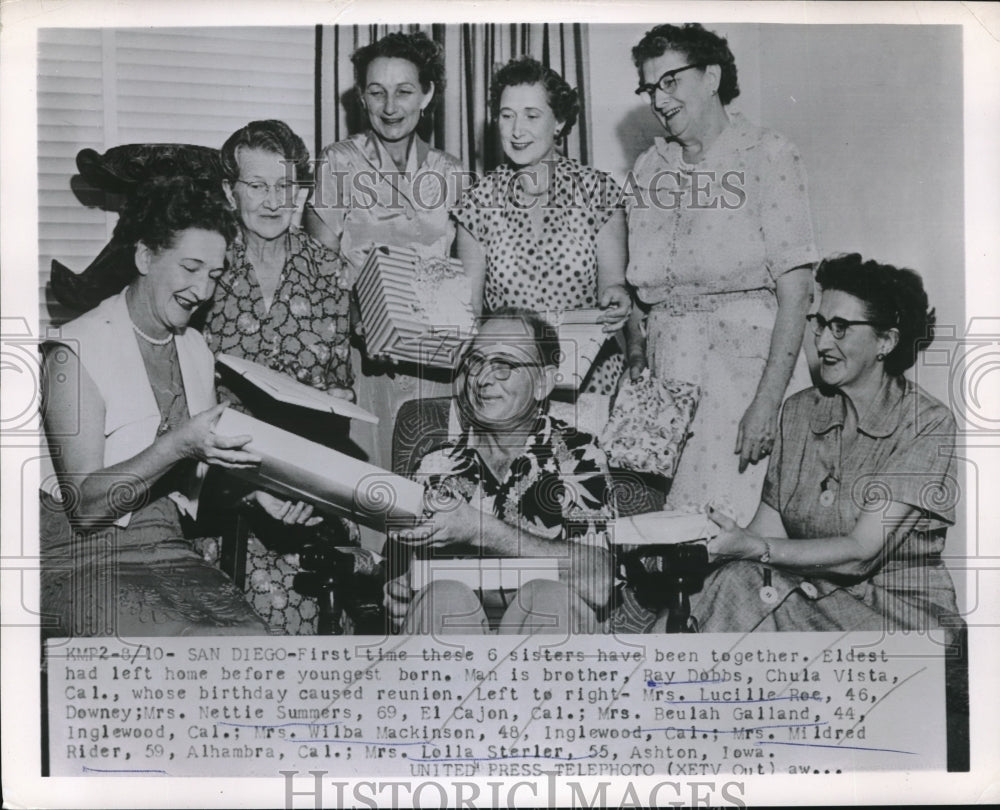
column 148, row 339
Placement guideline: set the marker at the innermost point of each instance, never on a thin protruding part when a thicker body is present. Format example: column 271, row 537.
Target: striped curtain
column 461, row 123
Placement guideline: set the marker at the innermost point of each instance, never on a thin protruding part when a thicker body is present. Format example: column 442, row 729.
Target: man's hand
column 453, row 522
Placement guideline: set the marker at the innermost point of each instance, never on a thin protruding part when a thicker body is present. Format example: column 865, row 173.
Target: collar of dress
column 562, row 184
column 376, row 154
column 737, row 137
column 239, row 266
column 881, row 419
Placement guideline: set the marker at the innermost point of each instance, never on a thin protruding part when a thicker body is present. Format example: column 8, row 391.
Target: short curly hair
column 269, row 136
column 699, row 46
column 162, row 207
column 894, row 297
column 426, row 54
column 563, row 99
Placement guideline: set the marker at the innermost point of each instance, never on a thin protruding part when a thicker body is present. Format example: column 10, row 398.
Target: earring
column 880, row 356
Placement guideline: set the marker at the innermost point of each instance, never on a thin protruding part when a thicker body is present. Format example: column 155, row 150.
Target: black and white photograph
column 533, row 406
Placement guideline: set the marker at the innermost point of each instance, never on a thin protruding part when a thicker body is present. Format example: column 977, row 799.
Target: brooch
column 828, row 490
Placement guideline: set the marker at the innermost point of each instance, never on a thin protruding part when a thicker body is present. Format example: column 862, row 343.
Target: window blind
column 100, row 88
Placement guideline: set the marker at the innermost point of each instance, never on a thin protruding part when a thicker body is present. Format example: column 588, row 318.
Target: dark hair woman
column 861, row 485
column 130, row 411
column 387, row 186
column 544, row 231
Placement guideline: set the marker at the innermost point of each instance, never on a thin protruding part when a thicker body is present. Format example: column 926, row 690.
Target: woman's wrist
column 768, row 395
column 174, row 446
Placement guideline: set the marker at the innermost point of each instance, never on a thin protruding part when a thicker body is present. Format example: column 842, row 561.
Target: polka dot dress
column 546, row 259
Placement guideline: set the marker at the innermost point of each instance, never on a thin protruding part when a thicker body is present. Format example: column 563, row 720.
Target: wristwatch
column 766, row 556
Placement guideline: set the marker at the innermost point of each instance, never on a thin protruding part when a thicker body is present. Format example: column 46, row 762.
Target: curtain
column 461, row 123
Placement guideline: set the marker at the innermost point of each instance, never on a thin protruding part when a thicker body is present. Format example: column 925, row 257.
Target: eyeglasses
column 258, row 190
column 838, row 326
column 500, row 367
column 667, row 82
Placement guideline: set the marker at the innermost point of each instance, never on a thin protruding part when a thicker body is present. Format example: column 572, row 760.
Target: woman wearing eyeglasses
column 283, row 301
column 721, row 251
column 861, row 484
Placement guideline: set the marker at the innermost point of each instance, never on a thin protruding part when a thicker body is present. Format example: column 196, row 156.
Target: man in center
column 516, row 483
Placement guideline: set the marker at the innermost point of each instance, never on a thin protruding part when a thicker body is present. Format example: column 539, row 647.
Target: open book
column 285, row 389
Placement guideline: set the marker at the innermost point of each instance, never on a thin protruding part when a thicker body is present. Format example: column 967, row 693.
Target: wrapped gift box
column 414, row 309
column 581, row 338
column 649, row 424
column 298, row 469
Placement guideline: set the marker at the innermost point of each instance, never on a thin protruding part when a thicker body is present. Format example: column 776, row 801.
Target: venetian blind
column 100, row 88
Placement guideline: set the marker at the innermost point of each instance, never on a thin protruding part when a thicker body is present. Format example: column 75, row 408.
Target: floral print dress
column 305, row 333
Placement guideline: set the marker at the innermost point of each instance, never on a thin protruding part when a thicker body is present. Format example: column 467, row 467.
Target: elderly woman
column 861, row 484
column 721, row 248
column 386, row 186
column 283, row 301
column 545, row 232
column 130, row 411
column 517, row 483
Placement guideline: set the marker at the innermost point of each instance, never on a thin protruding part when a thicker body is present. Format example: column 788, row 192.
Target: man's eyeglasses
column 837, row 326
column 500, row 367
column 667, row 82
column 258, row 190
